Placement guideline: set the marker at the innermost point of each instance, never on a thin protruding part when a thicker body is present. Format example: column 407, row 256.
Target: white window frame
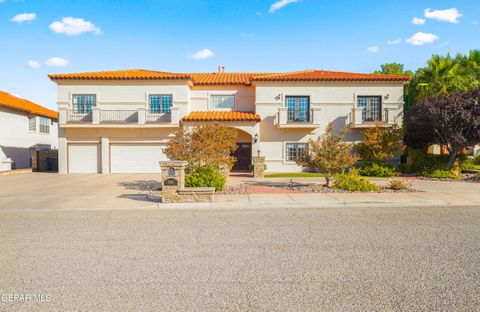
column 47, row 124
column 34, row 118
column 210, row 102
column 285, row 160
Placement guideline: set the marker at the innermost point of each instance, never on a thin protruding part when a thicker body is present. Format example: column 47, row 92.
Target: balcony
column 365, row 118
column 298, row 118
column 96, row 116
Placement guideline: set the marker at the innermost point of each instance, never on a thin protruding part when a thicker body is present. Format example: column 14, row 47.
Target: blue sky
column 242, row 35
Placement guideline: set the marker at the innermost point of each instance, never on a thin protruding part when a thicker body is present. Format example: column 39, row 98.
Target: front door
column 243, row 156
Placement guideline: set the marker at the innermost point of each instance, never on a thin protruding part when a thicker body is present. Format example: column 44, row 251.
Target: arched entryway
column 243, row 154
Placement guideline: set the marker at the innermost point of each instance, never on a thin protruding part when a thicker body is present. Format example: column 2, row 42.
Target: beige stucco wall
column 335, row 101
column 244, row 97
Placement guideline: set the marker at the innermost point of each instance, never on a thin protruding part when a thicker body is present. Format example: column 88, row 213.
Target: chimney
column 219, row 69
column 223, row 69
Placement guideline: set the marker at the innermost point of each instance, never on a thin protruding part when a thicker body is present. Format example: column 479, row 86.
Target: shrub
column 440, row 174
column 329, row 154
column 424, row 162
column 205, row 176
column 467, row 164
column 476, row 160
column 398, row 185
column 352, row 182
column 376, row 169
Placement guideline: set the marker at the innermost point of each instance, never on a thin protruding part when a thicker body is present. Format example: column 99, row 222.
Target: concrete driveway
column 76, row 191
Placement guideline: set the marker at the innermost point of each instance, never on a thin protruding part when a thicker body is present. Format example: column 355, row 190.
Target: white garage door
column 84, row 158
column 136, row 158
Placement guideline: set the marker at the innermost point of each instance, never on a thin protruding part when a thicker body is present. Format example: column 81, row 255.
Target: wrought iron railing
column 118, row 116
column 299, row 115
column 153, row 117
column 369, row 115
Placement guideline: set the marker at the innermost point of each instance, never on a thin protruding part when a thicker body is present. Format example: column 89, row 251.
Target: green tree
column 379, row 143
column 445, row 75
column 395, row 69
column 208, row 145
column 328, row 153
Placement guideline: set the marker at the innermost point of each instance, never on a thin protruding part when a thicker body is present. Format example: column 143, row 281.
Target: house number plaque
column 170, row 182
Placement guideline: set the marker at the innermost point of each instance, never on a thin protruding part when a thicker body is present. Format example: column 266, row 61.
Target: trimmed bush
column 424, row 163
column 467, row 164
column 398, row 185
column 476, row 160
column 440, row 174
column 205, row 176
column 352, row 182
column 376, row 169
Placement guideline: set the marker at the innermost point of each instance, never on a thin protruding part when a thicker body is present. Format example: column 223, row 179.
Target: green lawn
column 295, row 175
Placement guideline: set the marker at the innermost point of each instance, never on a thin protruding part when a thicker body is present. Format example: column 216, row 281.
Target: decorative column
column 62, row 151
column 105, row 147
column 258, row 167
column 173, row 180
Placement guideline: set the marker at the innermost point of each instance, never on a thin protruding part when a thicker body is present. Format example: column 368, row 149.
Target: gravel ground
column 330, row 259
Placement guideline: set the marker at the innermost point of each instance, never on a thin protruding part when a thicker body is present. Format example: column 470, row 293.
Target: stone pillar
column 173, row 180
column 258, row 167
column 105, row 147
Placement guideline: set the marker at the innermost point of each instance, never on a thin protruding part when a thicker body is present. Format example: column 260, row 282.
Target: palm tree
column 446, row 75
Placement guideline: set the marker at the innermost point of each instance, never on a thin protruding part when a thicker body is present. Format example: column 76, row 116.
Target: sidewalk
column 311, row 200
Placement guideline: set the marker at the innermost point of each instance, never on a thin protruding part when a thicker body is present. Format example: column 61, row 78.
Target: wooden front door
column 243, row 156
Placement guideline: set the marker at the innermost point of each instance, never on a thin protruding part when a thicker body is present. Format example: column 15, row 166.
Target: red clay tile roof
column 226, row 78
column 221, row 116
column 13, row 102
column 129, row 74
column 325, row 75
column 209, row 79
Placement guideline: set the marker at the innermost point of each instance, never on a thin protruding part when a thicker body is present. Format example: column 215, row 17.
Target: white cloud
column 421, row 38
column 418, row 21
column 74, row 26
column 24, row 17
column 57, row 61
column 394, row 41
column 33, row 64
column 2, row 1
column 449, row 15
column 372, row 49
column 280, row 4
column 247, row 34
column 476, row 23
column 201, row 55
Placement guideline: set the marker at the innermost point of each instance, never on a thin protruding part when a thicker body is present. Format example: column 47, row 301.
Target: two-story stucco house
column 120, row 121
column 25, row 127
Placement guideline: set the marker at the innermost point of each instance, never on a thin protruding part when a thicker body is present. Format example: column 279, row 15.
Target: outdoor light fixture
column 386, row 97
column 258, row 153
column 255, row 138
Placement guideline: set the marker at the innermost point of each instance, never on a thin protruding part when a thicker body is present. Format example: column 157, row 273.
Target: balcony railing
column 75, row 116
column 158, row 117
column 361, row 117
column 98, row 116
column 119, row 116
column 288, row 118
column 299, row 115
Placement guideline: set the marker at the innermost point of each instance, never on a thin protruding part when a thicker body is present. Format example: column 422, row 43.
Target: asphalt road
column 342, row 259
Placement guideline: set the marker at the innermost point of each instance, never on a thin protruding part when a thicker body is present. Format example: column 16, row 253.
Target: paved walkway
column 128, row 191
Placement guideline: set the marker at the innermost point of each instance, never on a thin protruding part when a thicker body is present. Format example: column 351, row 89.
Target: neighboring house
column 25, row 127
column 120, row 121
